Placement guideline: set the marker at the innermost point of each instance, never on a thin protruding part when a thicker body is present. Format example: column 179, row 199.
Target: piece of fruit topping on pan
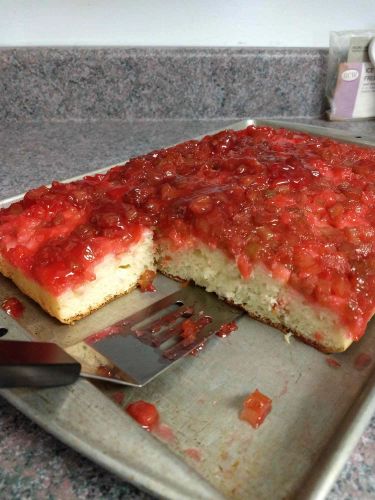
column 255, row 408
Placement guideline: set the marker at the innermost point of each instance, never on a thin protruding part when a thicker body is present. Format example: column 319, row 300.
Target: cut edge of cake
column 115, row 275
column 263, row 297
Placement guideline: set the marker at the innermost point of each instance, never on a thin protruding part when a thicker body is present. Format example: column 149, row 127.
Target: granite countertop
column 32, row 463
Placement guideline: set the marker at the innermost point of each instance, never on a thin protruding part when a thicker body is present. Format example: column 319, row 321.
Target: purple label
column 348, row 80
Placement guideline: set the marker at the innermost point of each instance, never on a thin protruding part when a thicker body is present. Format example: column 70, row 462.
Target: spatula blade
column 132, row 344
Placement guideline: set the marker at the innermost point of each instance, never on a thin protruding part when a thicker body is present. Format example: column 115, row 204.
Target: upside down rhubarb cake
column 279, row 222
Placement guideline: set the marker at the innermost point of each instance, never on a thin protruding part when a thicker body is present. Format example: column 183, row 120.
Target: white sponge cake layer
column 262, row 296
column 115, row 275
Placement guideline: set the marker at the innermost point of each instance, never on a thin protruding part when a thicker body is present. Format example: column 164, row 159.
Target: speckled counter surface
column 32, row 463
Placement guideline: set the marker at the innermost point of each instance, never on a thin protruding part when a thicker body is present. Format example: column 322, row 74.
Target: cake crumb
column 287, row 337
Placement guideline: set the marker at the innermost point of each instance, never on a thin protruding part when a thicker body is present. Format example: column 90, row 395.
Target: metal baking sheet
column 205, row 451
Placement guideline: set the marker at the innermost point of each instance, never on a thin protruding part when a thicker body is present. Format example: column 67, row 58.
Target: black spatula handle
column 35, row 364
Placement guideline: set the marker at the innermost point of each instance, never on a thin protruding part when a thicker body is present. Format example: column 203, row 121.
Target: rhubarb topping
column 303, row 207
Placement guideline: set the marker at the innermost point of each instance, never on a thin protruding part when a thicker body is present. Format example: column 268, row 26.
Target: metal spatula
column 143, row 345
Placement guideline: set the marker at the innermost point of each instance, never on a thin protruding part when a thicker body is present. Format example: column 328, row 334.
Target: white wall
column 304, row 23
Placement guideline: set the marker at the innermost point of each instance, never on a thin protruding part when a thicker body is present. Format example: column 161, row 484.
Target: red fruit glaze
column 190, row 328
column 105, row 371
column 255, row 408
column 118, row 397
column 194, row 454
column 301, row 206
column 146, row 414
column 333, row 363
column 57, row 235
column 13, row 307
column 106, row 332
column 195, row 352
column 145, row 281
column 227, row 329
column 164, row 432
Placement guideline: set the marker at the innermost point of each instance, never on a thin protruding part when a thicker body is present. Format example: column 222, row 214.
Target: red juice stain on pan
column 118, row 397
column 147, row 416
column 199, row 348
column 194, row 454
column 106, row 332
column 333, row 363
column 362, row 361
column 227, row 329
column 164, row 432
